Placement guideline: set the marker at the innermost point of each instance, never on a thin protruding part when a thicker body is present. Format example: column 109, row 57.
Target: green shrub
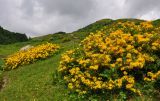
column 114, row 61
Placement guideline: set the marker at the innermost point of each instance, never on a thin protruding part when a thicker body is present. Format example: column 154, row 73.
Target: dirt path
column 3, row 78
column 3, row 82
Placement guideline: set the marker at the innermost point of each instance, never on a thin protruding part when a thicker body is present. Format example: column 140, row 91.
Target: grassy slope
column 35, row 81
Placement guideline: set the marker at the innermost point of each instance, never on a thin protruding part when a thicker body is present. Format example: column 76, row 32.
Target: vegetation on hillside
column 83, row 32
column 115, row 61
column 30, row 55
column 40, row 80
column 7, row 37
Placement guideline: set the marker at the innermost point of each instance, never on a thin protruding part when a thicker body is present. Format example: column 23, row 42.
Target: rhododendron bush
column 31, row 55
column 119, row 58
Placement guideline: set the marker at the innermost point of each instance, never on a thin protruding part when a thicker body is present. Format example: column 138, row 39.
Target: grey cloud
column 28, row 7
column 5, row 11
column 137, row 8
column 74, row 8
column 39, row 17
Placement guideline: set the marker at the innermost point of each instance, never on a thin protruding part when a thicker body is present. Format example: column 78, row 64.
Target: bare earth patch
column 3, row 82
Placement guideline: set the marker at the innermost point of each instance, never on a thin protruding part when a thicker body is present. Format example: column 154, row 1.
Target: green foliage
column 7, row 37
column 156, row 22
column 104, row 67
column 96, row 26
column 1, row 64
column 83, row 32
column 157, row 84
column 122, row 96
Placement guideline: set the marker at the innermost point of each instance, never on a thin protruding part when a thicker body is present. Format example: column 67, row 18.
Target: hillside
column 40, row 81
column 81, row 33
column 8, row 37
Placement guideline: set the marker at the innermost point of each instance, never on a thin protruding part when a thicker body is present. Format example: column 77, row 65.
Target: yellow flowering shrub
column 29, row 56
column 115, row 58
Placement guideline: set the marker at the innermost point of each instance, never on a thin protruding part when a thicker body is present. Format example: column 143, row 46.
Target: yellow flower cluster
column 29, row 56
column 152, row 76
column 108, row 60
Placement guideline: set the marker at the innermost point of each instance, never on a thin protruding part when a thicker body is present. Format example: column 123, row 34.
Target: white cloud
column 152, row 15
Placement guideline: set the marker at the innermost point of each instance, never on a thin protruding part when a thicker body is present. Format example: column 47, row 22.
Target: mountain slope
column 7, row 37
column 35, row 81
column 81, row 33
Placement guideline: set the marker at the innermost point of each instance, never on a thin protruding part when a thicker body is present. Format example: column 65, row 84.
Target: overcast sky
column 40, row 17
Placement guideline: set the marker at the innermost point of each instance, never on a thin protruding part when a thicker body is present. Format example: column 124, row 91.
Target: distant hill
column 8, row 37
column 11, row 37
column 76, row 35
column 109, row 23
column 81, row 33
